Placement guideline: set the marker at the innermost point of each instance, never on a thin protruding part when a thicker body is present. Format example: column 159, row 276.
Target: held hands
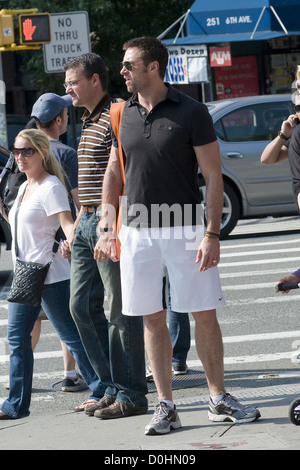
column 65, row 249
column 105, row 247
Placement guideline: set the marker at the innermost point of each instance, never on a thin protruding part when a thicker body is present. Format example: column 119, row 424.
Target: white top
column 37, row 226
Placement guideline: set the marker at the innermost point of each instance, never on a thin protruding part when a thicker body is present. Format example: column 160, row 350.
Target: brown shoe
column 103, row 403
column 119, row 410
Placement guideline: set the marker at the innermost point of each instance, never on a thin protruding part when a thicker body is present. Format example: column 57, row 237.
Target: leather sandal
column 84, row 404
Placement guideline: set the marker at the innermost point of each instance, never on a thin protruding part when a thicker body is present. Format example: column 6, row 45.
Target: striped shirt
column 93, row 153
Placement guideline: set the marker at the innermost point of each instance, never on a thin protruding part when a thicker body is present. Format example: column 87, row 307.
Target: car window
column 253, row 122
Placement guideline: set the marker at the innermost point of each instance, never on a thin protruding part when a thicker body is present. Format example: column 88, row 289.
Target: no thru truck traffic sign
column 70, row 38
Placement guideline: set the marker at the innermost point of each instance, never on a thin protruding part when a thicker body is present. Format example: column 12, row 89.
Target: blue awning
column 237, row 37
column 219, row 21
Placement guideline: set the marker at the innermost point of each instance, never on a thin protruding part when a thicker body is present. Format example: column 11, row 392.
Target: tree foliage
column 112, row 22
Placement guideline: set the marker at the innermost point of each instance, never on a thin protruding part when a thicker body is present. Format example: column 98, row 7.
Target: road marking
column 225, row 246
column 247, row 359
column 258, row 252
column 260, row 261
column 226, row 339
column 40, row 355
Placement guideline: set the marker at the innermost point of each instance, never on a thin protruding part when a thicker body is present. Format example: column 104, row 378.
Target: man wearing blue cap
column 50, row 113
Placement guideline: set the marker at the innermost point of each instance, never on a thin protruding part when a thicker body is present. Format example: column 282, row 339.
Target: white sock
column 169, row 403
column 218, row 398
column 70, row 374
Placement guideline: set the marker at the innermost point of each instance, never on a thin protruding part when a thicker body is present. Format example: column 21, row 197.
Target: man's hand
column 290, row 278
column 105, row 248
column 208, row 254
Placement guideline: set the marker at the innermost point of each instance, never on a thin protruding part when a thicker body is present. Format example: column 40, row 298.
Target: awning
column 218, row 21
column 237, row 37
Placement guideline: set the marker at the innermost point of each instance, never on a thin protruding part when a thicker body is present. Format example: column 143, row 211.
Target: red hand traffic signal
column 35, row 29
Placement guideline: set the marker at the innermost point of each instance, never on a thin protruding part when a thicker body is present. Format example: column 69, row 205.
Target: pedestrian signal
column 35, row 29
column 7, row 35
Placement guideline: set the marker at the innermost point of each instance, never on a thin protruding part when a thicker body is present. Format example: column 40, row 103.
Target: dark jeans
column 180, row 332
column 114, row 345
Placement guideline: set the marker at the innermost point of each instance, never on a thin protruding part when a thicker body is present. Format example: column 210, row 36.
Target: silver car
column 244, row 126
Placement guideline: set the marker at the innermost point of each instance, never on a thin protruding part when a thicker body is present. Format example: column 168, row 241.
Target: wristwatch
column 282, row 136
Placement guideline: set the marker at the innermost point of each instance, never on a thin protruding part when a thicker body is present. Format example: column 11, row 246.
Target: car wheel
column 231, row 207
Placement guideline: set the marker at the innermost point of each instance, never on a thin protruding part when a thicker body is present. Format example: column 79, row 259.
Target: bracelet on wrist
column 282, row 136
column 212, row 234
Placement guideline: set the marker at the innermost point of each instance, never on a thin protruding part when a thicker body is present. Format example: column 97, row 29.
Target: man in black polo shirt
column 165, row 135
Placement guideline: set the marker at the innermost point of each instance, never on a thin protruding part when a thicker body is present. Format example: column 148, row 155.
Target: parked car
column 244, row 126
column 5, row 234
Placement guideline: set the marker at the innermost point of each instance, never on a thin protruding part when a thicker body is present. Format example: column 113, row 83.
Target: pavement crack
column 226, row 430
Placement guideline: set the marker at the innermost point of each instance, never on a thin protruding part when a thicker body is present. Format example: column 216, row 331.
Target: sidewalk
column 66, row 430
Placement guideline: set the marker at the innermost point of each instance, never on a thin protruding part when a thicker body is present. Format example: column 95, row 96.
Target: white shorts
column 152, row 259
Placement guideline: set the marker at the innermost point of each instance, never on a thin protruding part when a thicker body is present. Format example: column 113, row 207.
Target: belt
column 90, row 209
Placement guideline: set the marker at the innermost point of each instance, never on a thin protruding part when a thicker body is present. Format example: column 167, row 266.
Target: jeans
column 180, row 332
column 114, row 345
column 21, row 319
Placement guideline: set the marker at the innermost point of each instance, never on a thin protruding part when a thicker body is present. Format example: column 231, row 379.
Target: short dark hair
column 91, row 63
column 152, row 50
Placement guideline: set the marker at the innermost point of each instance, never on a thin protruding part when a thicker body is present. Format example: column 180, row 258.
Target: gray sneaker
column 164, row 419
column 230, row 409
column 73, row 385
column 180, row 369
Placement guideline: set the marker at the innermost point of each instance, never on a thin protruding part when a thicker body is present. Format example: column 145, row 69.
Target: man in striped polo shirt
column 118, row 361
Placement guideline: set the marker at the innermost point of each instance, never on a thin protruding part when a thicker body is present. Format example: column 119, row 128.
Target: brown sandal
column 84, row 404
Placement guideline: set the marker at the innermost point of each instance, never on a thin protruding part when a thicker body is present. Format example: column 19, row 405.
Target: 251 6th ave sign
column 70, row 38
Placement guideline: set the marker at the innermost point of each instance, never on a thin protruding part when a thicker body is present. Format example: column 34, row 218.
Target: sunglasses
column 297, row 108
column 128, row 65
column 25, row 152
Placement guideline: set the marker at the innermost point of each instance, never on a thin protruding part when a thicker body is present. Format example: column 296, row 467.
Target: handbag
column 29, row 277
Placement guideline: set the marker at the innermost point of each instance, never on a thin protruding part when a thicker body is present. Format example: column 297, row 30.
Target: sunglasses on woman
column 25, row 152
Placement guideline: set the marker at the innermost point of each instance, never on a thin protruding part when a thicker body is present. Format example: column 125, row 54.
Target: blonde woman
column 44, row 208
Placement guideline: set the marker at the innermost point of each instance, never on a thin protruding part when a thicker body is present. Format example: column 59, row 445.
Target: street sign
column 35, row 29
column 70, row 38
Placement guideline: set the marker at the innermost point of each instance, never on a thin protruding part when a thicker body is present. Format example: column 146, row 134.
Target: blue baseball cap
column 49, row 105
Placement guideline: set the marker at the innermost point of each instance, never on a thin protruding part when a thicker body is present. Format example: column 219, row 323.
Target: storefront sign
column 220, row 56
column 187, row 64
column 241, row 79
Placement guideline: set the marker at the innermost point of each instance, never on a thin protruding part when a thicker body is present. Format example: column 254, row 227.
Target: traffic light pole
column 27, row 42
column 3, row 127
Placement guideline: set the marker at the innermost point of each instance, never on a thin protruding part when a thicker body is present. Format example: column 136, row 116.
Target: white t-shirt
column 37, row 226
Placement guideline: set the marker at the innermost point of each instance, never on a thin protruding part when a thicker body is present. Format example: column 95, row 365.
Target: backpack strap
column 116, row 111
